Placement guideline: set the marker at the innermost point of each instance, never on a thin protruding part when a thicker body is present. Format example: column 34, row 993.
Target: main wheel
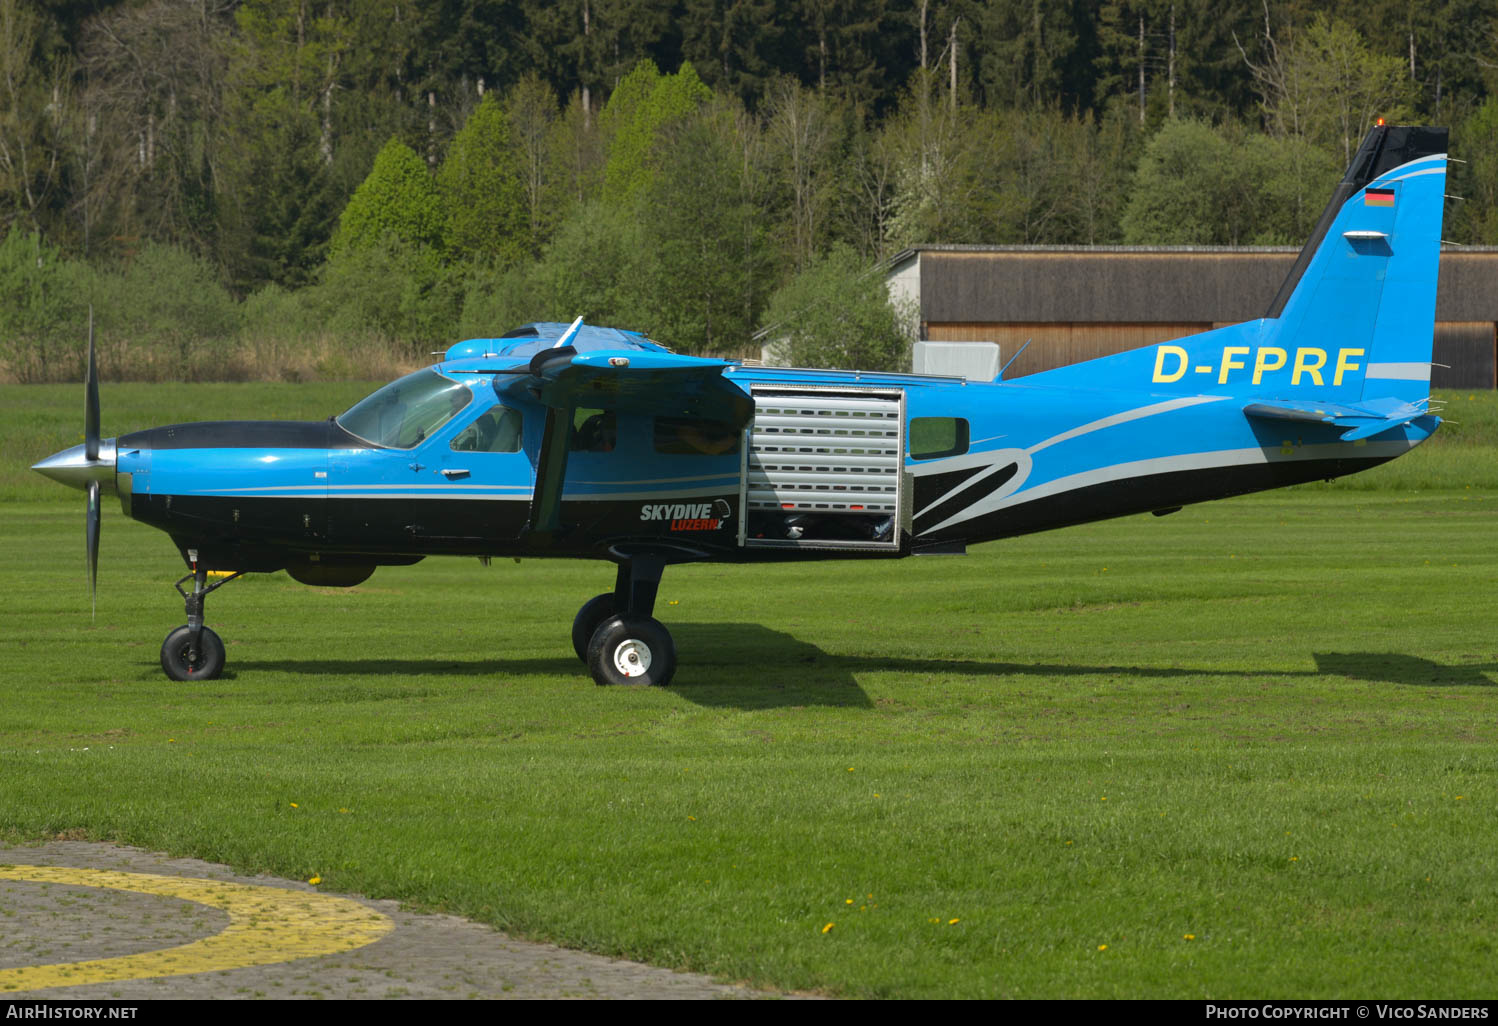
column 182, row 662
column 629, row 649
column 594, row 611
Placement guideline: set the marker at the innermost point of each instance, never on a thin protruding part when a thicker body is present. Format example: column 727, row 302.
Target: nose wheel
column 184, row 657
column 194, row 651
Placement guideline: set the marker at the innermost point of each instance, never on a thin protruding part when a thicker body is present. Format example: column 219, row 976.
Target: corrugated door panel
column 826, row 451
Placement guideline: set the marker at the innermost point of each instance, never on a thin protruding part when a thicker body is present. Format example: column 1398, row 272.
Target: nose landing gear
column 194, row 651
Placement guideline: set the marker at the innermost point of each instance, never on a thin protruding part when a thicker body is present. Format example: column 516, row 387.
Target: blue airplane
column 597, row 443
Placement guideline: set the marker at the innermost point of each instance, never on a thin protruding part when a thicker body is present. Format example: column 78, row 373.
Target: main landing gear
column 193, row 651
column 615, row 635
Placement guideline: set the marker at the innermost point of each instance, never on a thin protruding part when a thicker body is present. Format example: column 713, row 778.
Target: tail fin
column 1354, row 320
column 1366, row 280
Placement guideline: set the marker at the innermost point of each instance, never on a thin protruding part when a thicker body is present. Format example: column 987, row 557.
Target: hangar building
column 1077, row 302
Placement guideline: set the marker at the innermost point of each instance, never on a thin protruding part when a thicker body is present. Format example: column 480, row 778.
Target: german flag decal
column 1378, row 198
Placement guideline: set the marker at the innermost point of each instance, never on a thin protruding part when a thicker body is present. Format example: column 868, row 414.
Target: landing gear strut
column 624, row 644
column 193, row 651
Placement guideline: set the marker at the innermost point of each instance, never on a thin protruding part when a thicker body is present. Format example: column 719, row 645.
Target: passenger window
column 594, row 430
column 687, row 436
column 934, row 437
column 498, row 430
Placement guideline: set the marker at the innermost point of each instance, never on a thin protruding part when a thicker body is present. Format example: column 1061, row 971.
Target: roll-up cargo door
column 824, row 468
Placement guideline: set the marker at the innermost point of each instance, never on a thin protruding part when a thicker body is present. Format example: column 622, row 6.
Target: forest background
column 334, row 188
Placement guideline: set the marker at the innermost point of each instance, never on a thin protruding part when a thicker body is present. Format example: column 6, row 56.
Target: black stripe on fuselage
column 1144, row 494
column 963, row 499
column 245, row 434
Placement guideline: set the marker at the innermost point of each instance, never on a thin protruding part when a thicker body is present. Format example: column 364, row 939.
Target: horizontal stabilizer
column 1363, row 420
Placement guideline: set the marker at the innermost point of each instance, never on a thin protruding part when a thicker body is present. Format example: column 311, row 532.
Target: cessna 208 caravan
column 586, row 442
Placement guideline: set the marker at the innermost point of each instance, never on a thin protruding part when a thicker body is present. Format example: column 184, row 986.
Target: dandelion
column 1188, row 936
column 314, row 881
column 848, row 902
column 850, row 769
column 1294, row 858
column 294, row 805
column 1102, row 947
column 827, row 927
column 953, row 922
column 692, row 818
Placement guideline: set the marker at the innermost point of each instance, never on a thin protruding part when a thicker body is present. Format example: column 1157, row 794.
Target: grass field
column 1246, row 750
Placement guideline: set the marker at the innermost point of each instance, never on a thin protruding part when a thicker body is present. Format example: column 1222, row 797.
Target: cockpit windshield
column 405, row 413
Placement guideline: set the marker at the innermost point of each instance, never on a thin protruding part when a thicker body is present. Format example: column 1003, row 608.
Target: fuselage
column 833, row 465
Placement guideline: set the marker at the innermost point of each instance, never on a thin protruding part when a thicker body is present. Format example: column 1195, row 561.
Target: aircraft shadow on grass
column 749, row 666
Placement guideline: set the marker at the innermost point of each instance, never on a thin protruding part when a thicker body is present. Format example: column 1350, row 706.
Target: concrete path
column 148, row 926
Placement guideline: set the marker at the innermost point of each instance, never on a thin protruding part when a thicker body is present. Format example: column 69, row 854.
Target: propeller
column 90, row 466
column 91, row 453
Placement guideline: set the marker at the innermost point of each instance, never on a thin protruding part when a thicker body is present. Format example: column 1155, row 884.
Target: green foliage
column 1198, row 185
column 496, row 301
column 595, row 267
column 398, row 199
column 1475, row 140
column 43, row 308
column 482, row 190
column 641, row 108
column 400, row 290
column 169, row 302
column 838, row 314
column 705, row 259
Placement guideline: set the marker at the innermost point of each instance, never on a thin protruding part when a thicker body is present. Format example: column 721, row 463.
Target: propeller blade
column 91, row 535
column 91, row 398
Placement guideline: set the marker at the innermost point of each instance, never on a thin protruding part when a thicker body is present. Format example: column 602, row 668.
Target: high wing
column 626, row 381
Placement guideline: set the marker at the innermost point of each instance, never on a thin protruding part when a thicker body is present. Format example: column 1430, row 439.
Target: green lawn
column 1241, row 751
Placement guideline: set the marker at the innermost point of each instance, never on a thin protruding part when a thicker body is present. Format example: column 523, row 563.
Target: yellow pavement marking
column 266, row 925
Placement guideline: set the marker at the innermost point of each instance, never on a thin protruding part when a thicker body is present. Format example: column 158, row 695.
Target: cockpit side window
column 688, row 436
column 406, row 412
column 594, row 430
column 498, row 430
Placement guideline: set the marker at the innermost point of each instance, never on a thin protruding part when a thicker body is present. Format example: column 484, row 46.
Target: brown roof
column 1037, row 284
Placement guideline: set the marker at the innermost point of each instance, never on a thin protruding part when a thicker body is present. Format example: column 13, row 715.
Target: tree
column 531, row 107
column 805, row 131
column 482, row 190
column 703, row 288
column 33, row 118
column 43, row 302
column 397, row 199
column 1324, row 85
column 643, row 106
column 837, row 313
column 1197, row 185
column 155, row 99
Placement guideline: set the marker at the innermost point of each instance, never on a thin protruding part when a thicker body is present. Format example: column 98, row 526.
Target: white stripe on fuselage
column 1172, row 464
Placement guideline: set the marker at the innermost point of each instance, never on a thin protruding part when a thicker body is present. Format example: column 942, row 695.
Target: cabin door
column 824, row 469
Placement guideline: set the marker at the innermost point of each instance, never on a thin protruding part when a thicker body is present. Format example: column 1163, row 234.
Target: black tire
column 629, row 649
column 181, row 663
column 594, row 611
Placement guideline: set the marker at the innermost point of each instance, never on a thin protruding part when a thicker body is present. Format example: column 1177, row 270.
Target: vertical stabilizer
column 1366, row 279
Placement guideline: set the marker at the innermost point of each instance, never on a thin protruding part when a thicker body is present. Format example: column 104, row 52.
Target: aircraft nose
column 73, row 468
